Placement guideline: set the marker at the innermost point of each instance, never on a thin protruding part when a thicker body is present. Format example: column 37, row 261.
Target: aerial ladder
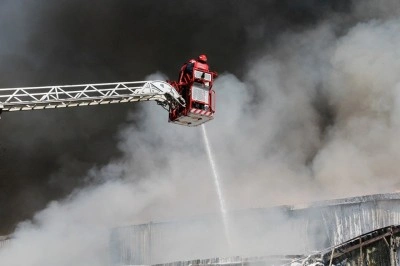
column 196, row 108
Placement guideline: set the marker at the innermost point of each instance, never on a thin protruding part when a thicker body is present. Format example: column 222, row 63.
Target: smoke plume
column 44, row 155
column 314, row 114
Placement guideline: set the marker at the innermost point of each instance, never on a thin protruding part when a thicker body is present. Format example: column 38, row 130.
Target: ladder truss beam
column 50, row 97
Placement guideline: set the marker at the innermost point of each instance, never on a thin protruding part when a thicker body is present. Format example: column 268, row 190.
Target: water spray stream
column 217, row 186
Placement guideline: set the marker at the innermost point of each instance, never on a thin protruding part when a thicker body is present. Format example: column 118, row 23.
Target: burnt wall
column 282, row 230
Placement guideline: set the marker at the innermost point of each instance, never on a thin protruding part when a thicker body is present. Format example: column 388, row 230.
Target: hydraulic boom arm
column 34, row 98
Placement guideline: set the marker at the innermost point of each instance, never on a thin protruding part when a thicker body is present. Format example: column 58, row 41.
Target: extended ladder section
column 47, row 97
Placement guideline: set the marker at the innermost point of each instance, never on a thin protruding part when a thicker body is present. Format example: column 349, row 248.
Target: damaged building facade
column 351, row 231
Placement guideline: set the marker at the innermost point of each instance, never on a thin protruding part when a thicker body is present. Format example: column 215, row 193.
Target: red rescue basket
column 199, row 96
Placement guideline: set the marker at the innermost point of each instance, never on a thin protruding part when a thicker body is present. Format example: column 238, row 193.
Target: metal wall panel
column 4, row 241
column 256, row 232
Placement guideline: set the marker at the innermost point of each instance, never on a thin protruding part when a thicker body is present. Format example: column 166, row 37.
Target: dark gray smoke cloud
column 43, row 155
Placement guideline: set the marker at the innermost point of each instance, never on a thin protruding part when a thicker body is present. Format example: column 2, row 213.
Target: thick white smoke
column 361, row 148
column 316, row 117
